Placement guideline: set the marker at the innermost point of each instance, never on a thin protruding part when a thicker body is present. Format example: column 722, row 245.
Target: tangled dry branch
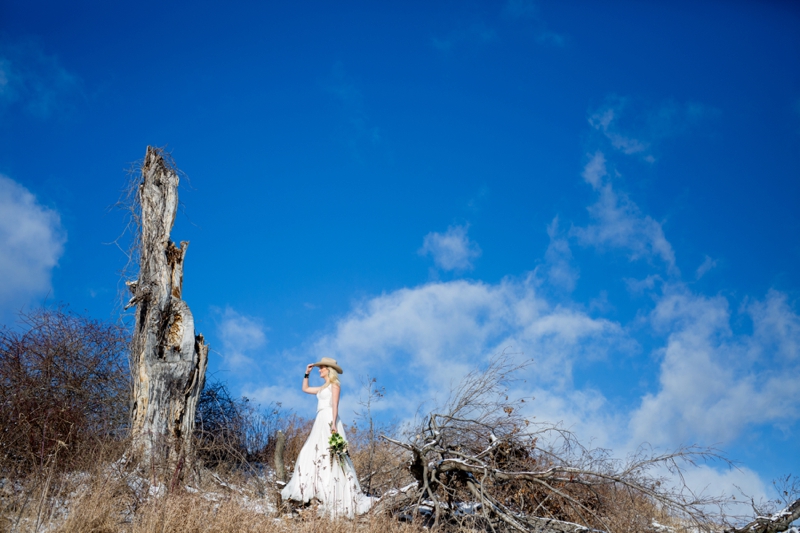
column 774, row 523
column 478, row 460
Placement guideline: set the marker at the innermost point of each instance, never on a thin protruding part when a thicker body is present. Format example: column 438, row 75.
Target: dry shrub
column 64, row 387
column 232, row 434
column 221, row 427
column 581, row 498
column 379, row 464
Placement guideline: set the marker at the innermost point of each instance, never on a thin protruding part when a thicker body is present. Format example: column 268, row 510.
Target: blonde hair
column 333, row 377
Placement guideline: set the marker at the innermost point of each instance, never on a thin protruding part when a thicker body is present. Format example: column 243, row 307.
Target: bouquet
column 337, row 448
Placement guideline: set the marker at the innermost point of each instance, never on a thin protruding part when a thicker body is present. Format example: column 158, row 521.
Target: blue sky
column 611, row 190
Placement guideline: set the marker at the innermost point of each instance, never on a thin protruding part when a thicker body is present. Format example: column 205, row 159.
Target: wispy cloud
column 559, row 267
column 452, row 250
column 31, row 243
column 634, row 128
column 704, row 267
column 241, row 336
column 713, row 384
column 603, row 121
column 475, row 203
column 36, row 81
column 639, row 286
column 618, row 221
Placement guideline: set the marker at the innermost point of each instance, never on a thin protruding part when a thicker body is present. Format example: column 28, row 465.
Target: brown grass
column 106, row 503
column 193, row 514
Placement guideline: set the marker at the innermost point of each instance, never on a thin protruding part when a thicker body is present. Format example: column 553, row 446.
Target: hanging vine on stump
column 168, row 361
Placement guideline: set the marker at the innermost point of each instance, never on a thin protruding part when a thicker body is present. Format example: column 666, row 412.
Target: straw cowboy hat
column 327, row 361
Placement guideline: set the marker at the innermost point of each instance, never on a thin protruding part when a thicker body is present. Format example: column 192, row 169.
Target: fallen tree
column 774, row 523
column 477, row 462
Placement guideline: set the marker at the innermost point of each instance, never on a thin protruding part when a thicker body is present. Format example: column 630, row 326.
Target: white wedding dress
column 314, row 476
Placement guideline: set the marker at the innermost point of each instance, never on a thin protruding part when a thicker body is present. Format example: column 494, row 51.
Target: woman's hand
column 333, row 428
column 306, row 388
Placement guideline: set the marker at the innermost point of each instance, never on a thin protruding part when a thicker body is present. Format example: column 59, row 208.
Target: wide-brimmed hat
column 327, row 361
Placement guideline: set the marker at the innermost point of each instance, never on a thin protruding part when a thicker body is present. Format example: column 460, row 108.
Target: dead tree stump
column 280, row 467
column 168, row 360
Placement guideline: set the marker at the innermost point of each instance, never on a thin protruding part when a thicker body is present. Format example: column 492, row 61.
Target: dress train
column 316, row 476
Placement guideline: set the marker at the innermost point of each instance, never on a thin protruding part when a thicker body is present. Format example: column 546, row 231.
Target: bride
column 315, row 474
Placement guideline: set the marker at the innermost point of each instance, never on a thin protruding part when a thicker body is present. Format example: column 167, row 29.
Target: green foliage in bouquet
column 337, row 447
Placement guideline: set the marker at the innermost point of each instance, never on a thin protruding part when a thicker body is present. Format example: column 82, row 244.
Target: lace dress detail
column 314, row 476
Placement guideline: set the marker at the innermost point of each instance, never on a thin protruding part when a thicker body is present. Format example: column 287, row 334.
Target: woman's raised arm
column 306, row 388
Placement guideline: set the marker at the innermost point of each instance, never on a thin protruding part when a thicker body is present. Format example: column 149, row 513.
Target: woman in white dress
column 315, row 475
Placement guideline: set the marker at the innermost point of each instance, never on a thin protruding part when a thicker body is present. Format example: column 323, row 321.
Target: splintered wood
column 168, row 360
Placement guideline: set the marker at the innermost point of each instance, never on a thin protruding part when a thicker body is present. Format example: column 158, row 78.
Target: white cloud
column 639, row 286
column 31, row 242
column 775, row 327
column 647, row 124
column 289, row 396
column 595, row 170
column 36, row 81
column 619, row 222
column 741, row 482
column 558, row 257
column 706, row 265
column 586, row 413
column 713, row 384
column 430, row 336
column 451, row 250
column 603, row 121
column 241, row 336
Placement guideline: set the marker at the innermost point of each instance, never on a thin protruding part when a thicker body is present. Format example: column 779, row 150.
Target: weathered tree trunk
column 168, row 360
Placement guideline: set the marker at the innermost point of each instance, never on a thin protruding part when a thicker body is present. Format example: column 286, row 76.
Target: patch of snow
column 661, row 527
column 467, row 508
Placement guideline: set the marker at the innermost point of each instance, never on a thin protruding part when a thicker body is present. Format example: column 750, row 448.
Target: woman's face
column 323, row 371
